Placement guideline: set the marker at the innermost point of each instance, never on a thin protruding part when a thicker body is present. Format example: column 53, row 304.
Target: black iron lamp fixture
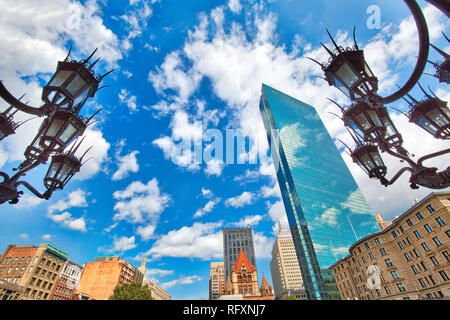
column 442, row 68
column 368, row 120
column 431, row 114
column 73, row 83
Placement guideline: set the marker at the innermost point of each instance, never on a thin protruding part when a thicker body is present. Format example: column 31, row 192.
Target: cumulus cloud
column 181, row 281
column 248, row 221
column 243, row 199
column 140, row 203
column 66, row 220
column 209, row 206
column 126, row 163
column 75, row 198
column 123, row 244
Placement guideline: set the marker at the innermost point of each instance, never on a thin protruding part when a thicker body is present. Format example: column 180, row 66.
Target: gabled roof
column 228, row 287
column 243, row 260
column 265, row 285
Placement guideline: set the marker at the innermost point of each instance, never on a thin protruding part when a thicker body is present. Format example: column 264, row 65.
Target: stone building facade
column 36, row 269
column 409, row 259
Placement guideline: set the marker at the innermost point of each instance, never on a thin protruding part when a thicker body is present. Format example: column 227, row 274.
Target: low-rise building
column 34, row 268
column 409, row 259
column 68, row 281
column 99, row 278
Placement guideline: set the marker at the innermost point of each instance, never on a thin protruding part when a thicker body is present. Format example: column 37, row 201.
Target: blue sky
column 183, row 67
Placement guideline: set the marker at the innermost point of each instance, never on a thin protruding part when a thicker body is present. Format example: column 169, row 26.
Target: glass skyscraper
column 325, row 208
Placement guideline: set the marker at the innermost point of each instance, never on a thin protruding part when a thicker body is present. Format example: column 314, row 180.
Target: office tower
column 235, row 240
column 33, row 270
column 284, row 267
column 99, row 278
column 325, row 208
column 216, row 280
column 383, row 224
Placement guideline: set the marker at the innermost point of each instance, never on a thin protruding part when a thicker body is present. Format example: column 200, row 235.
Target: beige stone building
column 157, row 292
column 409, row 259
column 36, row 269
column 284, row 267
column 216, row 280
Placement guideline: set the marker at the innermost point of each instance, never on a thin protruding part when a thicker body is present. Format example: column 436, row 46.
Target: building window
column 401, row 229
column 425, row 247
column 401, row 287
column 387, row 290
column 432, row 280
column 446, row 255
column 366, row 245
column 447, row 233
column 383, row 251
column 407, row 256
column 428, row 228
column 394, row 274
column 377, row 241
column 408, row 240
column 443, row 275
column 414, row 269
column 394, row 234
column 417, row 234
column 440, row 221
column 416, row 253
column 419, row 216
column 371, row 256
column 401, row 246
column 424, row 266
column 409, row 222
column 389, row 263
column 437, row 241
column 434, row 260
column 430, row 208
column 422, row 283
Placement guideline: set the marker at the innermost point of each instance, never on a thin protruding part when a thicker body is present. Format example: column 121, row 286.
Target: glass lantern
column 432, row 115
column 62, row 168
column 364, row 120
column 369, row 159
column 61, row 129
column 349, row 72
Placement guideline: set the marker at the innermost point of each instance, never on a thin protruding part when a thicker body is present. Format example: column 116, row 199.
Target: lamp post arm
column 46, row 195
column 8, row 97
column 441, row 5
column 424, row 47
column 402, row 157
column 4, row 175
column 386, row 182
column 432, row 155
column 22, row 171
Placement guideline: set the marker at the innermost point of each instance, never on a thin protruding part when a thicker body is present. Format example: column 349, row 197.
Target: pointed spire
column 426, row 94
column 445, row 36
column 340, row 107
column 93, row 64
column 265, row 288
column 315, row 61
column 101, row 77
column 280, row 226
column 228, row 286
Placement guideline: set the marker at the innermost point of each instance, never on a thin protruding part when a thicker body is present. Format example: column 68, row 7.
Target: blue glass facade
column 325, row 208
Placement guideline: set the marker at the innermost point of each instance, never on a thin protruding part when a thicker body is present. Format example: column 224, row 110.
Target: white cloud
column 263, row 245
column 126, row 163
column 28, row 201
column 24, row 236
column 248, row 221
column 123, row 244
column 111, row 227
column 65, row 219
column 245, row 198
column 201, row 240
column 214, row 167
column 140, row 203
column 46, row 237
column 159, row 272
column 206, row 193
column 129, row 100
column 209, row 206
column 76, row 198
column 235, row 6
column 180, row 281
column 146, row 232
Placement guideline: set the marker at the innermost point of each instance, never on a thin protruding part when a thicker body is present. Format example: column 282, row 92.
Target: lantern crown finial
column 332, row 40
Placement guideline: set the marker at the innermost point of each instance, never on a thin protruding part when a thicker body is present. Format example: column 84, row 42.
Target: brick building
column 216, row 280
column 409, row 259
column 68, row 281
column 99, row 278
column 34, row 268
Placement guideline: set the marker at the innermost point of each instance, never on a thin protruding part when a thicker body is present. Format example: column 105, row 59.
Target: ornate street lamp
column 442, row 68
column 368, row 119
column 73, row 83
